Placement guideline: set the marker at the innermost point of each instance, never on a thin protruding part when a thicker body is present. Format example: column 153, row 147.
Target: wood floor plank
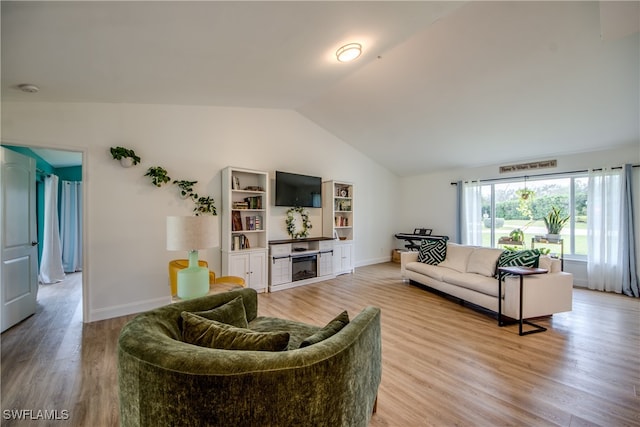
column 444, row 364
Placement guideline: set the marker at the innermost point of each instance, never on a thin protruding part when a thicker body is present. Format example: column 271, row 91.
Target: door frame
column 85, row 257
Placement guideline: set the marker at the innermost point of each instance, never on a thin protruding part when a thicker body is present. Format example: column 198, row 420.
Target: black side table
column 518, row 271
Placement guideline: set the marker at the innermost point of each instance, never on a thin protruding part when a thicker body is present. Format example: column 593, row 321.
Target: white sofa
column 468, row 273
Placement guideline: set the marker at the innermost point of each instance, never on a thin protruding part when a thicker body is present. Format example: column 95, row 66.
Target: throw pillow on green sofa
column 332, row 328
column 210, row 333
column 231, row 313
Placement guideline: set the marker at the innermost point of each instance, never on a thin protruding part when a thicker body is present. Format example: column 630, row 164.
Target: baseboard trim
column 580, row 283
column 289, row 285
column 125, row 309
column 372, row 261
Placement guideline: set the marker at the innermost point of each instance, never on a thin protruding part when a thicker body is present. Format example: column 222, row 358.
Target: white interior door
column 18, row 238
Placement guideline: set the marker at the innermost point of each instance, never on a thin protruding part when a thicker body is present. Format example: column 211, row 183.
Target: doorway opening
column 59, row 208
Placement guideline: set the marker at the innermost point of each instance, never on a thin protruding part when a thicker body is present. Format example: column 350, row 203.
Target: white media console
column 300, row 262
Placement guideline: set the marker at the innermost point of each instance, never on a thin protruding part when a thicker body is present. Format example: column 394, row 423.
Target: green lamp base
column 193, row 281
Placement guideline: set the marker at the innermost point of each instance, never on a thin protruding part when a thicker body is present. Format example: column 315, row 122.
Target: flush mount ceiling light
column 349, row 52
column 28, row 87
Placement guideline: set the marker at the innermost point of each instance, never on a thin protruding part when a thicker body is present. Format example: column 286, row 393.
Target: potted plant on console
column 555, row 222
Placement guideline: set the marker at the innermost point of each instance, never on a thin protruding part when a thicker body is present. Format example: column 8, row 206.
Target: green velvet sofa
column 166, row 382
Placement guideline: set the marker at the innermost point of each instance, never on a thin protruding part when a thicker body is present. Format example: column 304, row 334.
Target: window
column 520, row 204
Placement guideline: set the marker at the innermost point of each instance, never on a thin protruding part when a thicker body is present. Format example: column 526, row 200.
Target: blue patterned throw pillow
column 432, row 251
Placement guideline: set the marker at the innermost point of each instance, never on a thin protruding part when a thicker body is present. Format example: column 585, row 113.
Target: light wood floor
column 443, row 364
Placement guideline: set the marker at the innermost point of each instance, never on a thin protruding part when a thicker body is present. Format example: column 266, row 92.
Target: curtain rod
column 539, row 175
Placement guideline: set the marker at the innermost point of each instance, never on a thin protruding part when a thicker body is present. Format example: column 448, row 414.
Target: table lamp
column 191, row 233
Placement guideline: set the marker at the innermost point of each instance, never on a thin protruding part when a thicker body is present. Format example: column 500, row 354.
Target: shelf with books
column 338, row 204
column 341, row 221
column 245, row 215
column 247, row 220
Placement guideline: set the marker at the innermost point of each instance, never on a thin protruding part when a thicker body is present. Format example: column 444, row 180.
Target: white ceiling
column 440, row 84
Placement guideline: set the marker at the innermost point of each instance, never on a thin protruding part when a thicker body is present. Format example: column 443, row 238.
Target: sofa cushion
column 545, row 262
column 473, row 281
column 203, row 332
column 483, row 261
column 432, row 252
column 332, row 328
column 433, row 271
column 457, row 257
column 231, row 313
column 552, row 265
column 525, row 258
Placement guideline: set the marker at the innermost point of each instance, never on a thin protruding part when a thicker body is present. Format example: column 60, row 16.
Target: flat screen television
column 298, row 190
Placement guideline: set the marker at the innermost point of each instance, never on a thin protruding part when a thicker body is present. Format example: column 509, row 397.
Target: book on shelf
column 236, row 221
column 240, row 205
column 254, row 202
column 240, row 242
column 250, row 222
column 253, row 222
column 341, row 221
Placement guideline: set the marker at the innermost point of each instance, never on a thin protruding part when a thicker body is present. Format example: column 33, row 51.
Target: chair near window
column 178, row 264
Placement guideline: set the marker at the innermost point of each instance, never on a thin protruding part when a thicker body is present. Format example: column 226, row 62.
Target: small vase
column 553, row 237
column 126, row 162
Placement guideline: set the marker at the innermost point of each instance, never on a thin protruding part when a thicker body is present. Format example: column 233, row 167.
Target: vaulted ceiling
column 439, row 85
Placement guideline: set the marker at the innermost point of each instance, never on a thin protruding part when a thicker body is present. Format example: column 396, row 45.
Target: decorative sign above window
column 529, row 166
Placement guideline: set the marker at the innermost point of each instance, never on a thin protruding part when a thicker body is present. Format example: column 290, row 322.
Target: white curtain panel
column 605, row 227
column 51, row 270
column 471, row 214
column 630, row 282
column 71, row 225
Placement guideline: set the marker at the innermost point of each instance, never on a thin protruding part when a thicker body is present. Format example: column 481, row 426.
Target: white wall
column 126, row 260
column 432, row 198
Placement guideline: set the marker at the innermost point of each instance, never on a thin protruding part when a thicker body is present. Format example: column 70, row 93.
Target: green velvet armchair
column 166, row 382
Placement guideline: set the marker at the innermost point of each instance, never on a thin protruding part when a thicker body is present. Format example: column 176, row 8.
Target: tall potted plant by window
column 555, row 222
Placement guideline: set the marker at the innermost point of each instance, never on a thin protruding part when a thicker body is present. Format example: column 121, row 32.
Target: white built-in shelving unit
column 245, row 220
column 337, row 222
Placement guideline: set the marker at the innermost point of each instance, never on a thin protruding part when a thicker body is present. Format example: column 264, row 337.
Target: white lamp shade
column 192, row 232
